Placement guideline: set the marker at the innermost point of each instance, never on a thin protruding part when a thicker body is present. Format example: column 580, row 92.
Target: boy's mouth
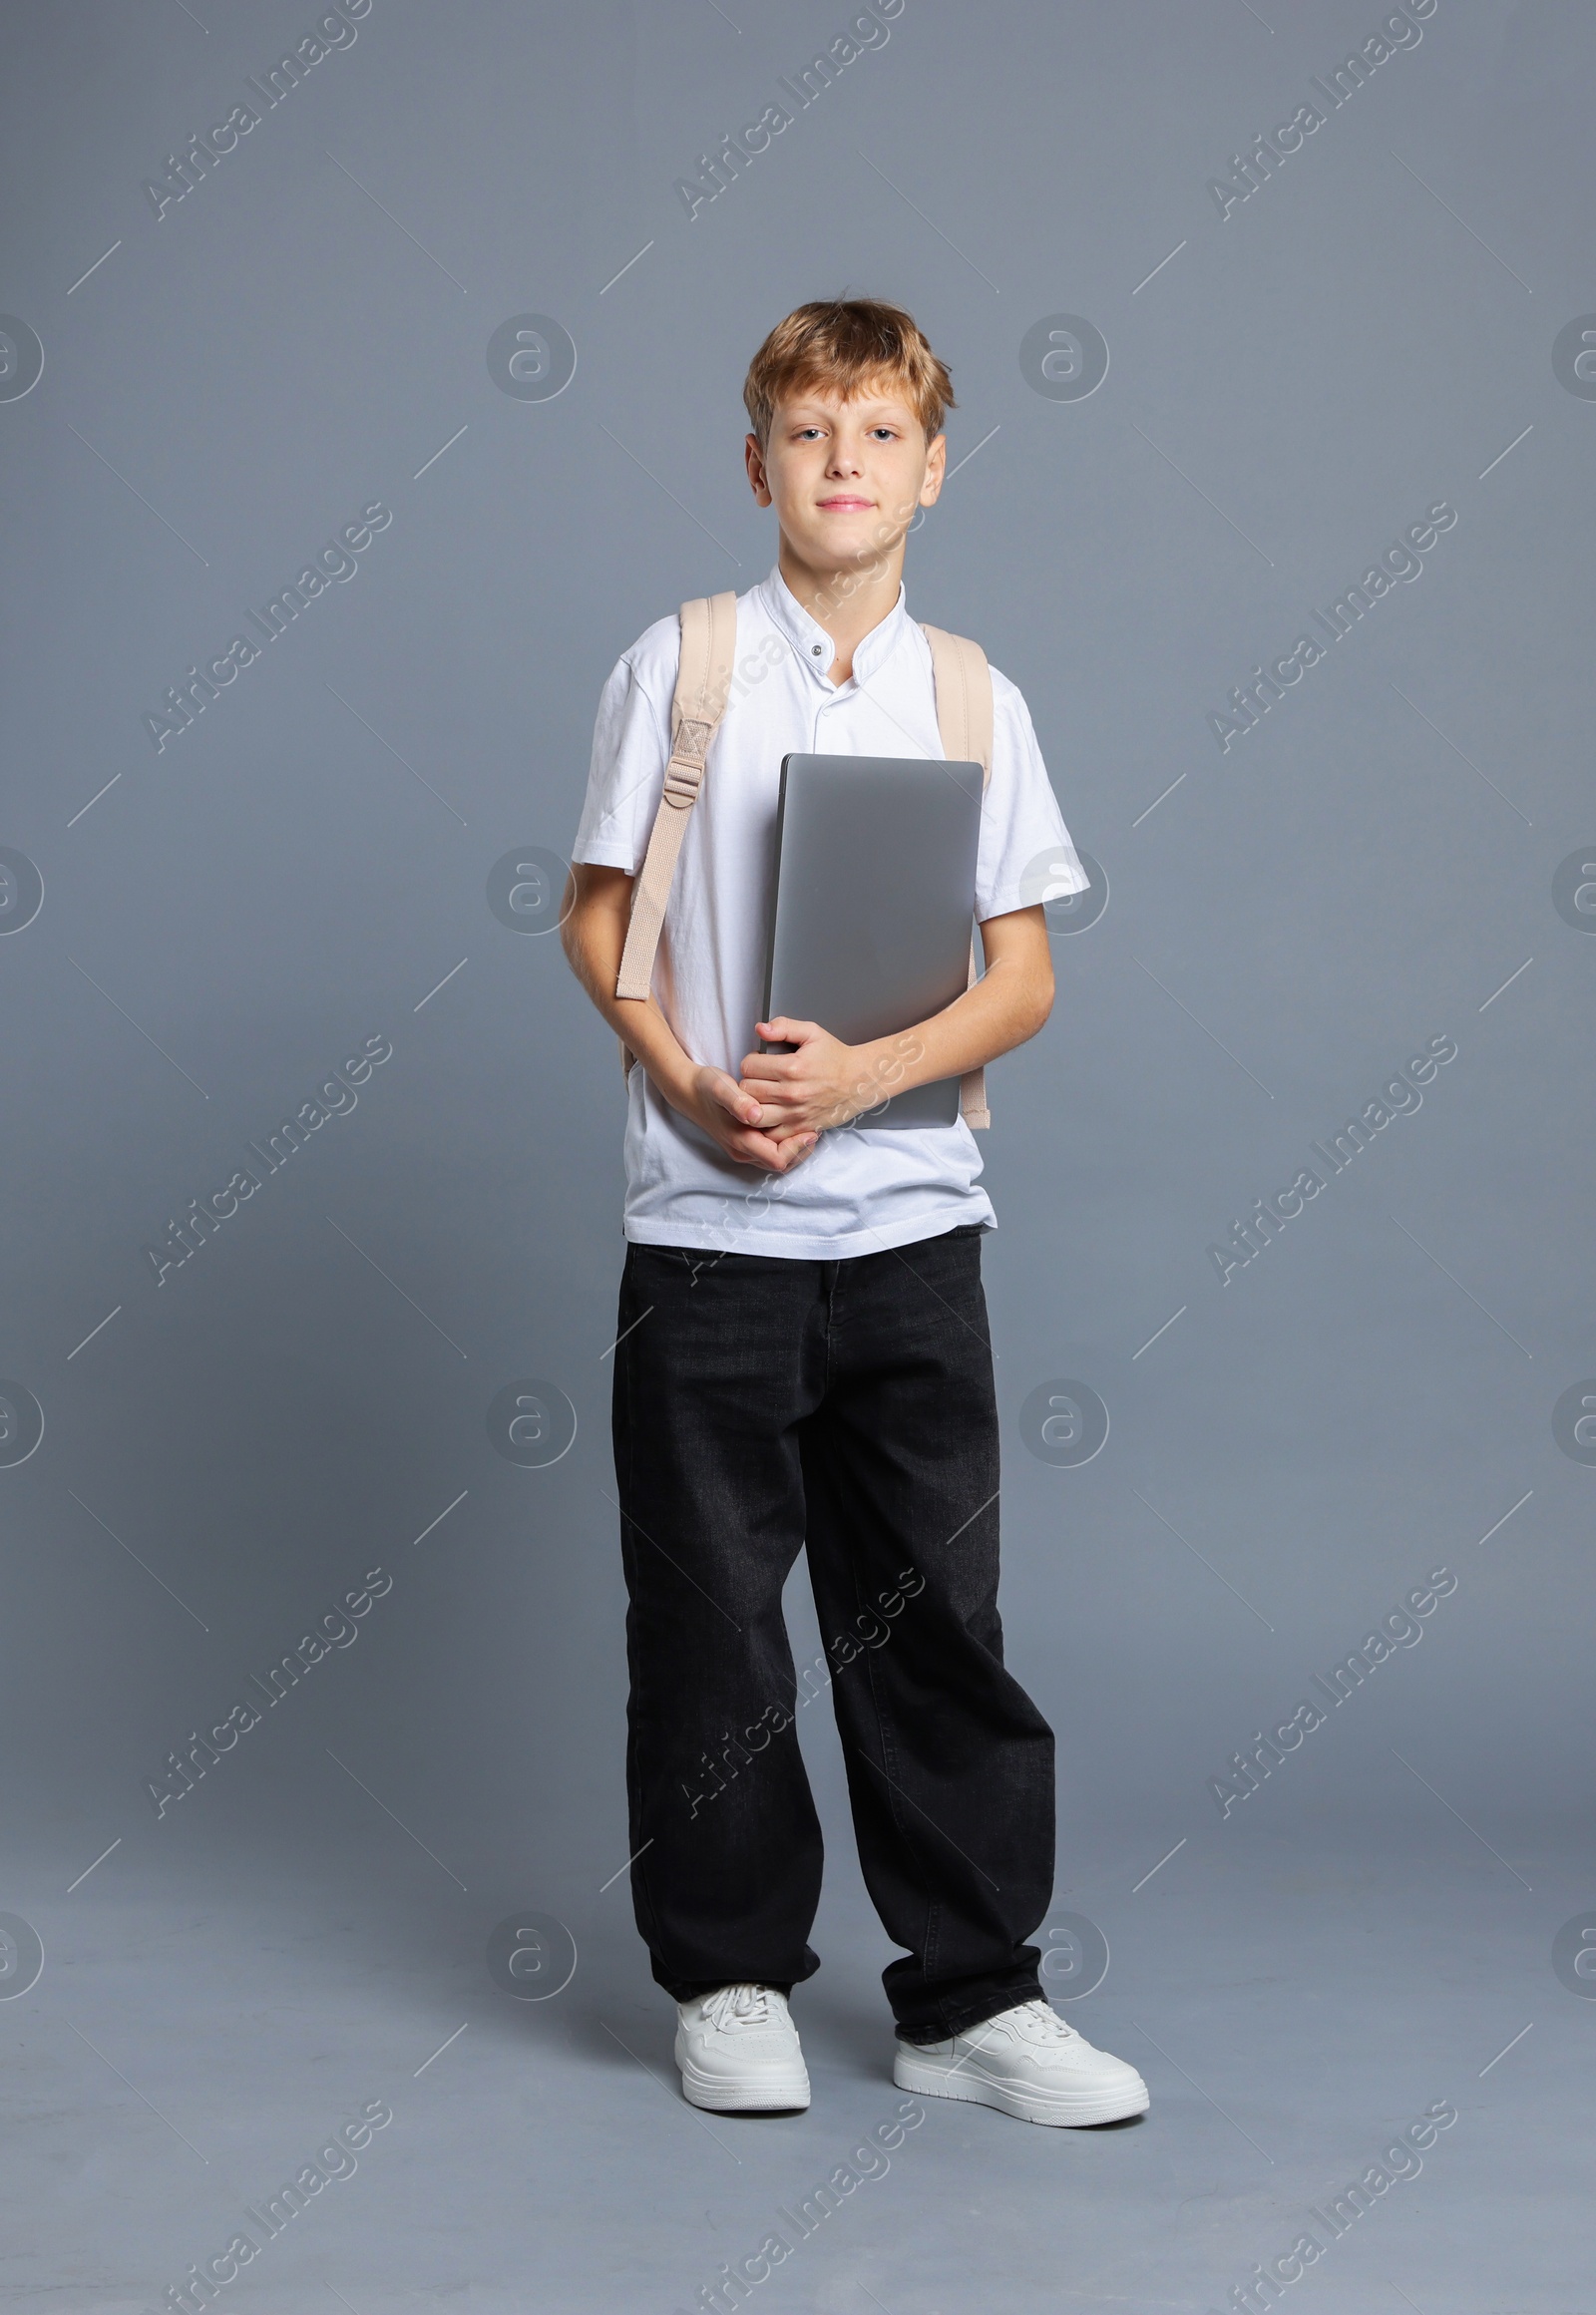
column 846, row 504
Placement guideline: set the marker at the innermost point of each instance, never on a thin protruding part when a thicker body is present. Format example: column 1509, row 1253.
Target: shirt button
column 815, row 647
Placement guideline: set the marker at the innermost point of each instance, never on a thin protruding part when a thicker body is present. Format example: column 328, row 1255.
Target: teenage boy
column 802, row 1356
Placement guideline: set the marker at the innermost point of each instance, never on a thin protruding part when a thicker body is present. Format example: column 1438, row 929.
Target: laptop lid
column 875, row 895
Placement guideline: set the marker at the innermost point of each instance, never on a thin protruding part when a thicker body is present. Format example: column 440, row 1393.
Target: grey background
column 304, row 867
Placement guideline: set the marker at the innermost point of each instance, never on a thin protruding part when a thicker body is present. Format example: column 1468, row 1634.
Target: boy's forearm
column 1009, row 1004
column 593, row 935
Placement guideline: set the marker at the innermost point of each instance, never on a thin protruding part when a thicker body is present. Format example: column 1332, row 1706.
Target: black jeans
column 763, row 1404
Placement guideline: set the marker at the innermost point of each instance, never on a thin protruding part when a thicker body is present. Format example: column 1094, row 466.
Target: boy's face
column 845, row 478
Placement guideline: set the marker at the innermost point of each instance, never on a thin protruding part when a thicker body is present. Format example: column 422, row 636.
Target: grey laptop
column 874, row 894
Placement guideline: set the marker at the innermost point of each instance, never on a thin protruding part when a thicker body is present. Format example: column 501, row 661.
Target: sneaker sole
column 1066, row 2110
column 785, row 2093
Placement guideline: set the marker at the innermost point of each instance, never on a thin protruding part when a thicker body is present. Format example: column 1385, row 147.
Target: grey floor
column 206, row 2016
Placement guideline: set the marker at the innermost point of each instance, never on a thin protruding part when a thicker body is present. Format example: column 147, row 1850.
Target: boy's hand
column 824, row 1083
column 731, row 1118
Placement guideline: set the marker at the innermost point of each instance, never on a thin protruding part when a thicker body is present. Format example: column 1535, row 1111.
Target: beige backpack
column 704, row 681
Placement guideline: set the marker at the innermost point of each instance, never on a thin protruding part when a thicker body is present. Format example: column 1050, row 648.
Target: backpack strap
column 703, row 681
column 965, row 720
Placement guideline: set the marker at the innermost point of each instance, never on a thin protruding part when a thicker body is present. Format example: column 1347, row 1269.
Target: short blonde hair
column 844, row 344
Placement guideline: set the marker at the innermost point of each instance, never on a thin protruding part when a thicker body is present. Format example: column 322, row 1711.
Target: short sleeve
column 626, row 773
column 1026, row 850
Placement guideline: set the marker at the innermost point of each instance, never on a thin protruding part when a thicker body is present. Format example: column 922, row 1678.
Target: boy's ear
column 755, row 458
column 936, row 470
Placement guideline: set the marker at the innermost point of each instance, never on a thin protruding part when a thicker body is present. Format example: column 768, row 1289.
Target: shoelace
column 746, row 2005
column 1043, row 2023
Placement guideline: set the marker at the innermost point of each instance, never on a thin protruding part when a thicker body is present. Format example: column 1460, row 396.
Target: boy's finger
column 754, row 1149
column 793, row 1147
column 734, row 1100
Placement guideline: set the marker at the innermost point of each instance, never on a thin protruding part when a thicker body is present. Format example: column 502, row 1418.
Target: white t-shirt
column 859, row 1190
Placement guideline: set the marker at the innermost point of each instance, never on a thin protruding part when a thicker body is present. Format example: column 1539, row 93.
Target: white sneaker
column 738, row 2051
column 1028, row 2063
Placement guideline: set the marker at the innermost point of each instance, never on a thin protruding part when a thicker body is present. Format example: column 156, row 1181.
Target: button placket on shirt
column 817, row 655
column 828, row 693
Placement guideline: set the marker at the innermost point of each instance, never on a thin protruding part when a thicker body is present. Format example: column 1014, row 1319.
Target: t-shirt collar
column 815, row 646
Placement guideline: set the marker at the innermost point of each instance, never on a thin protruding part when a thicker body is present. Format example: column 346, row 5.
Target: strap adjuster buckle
column 682, row 781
